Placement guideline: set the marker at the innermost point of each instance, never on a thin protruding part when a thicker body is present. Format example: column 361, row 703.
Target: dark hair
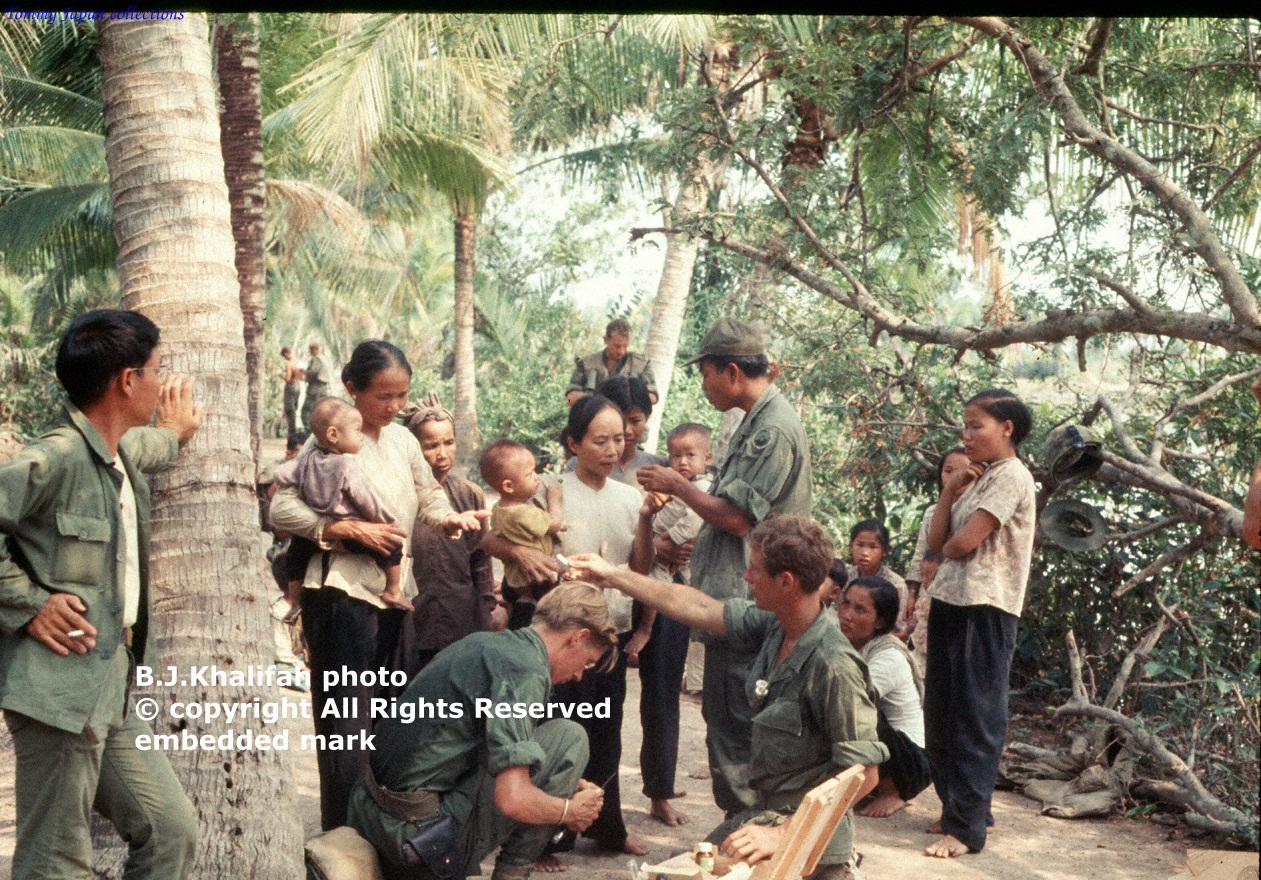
column 295, row 441
column 941, row 465
column 1004, row 406
column 286, row 351
column 581, row 415
column 795, row 544
column 620, row 326
column 690, row 429
column 626, row 393
column 97, row 346
column 839, row 572
column 369, row 358
column 754, row 366
column 493, row 459
column 871, row 525
column 884, row 598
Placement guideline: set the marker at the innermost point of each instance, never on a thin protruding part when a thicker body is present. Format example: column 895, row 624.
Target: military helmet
column 1071, row 453
column 1073, row 525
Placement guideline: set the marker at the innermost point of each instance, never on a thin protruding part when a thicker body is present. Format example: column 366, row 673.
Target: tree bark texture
column 671, row 301
column 241, row 137
column 172, row 222
column 467, row 437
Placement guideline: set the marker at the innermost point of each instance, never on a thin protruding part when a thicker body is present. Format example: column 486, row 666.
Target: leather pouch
column 434, row 846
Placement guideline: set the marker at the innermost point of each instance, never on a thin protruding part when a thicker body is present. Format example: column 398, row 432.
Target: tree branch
column 1149, row 529
column 1162, row 562
column 1158, row 429
column 1050, row 84
column 1058, row 325
column 1090, row 64
column 1140, row 652
column 1240, row 170
column 1197, row 796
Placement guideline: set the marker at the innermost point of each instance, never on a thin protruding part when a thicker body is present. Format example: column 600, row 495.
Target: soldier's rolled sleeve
column 849, row 715
column 510, row 741
column 764, row 467
column 150, row 449
column 23, row 481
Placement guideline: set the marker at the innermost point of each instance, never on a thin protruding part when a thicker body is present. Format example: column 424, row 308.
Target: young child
column 690, row 455
column 983, row 524
column 918, row 620
column 507, row 467
column 868, row 547
column 661, row 645
column 330, row 482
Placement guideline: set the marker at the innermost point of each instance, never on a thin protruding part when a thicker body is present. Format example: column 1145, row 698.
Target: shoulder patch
column 761, row 439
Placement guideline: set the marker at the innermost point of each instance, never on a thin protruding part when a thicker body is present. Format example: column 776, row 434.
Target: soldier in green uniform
column 473, row 761
column 766, row 472
column 808, row 692
column 615, row 360
column 319, row 373
column 75, row 608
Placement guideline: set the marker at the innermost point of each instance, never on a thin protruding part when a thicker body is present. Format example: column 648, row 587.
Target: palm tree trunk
column 241, row 135
column 671, row 302
column 172, row 222
column 466, row 434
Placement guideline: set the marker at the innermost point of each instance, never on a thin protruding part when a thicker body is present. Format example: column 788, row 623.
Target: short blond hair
column 572, row 605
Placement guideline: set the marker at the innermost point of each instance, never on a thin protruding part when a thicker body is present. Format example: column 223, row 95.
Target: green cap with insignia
column 730, row 337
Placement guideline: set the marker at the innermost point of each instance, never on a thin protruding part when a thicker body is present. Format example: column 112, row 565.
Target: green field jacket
column 59, row 525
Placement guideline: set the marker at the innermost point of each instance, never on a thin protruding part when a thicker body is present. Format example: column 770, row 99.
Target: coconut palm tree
column 172, row 223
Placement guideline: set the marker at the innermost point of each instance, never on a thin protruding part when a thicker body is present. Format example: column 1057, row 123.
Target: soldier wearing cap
column 616, row 359
column 767, row 472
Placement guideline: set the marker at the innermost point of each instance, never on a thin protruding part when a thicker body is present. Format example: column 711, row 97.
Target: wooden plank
column 811, row 827
column 842, row 798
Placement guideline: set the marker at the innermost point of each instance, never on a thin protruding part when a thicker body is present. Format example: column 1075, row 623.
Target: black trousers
column 345, row 632
column 965, row 711
column 604, row 739
column 661, row 665
column 907, row 766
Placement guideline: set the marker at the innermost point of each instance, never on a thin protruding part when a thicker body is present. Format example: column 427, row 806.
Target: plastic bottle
column 705, row 856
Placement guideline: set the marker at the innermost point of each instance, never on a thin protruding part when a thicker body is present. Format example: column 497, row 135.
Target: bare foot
column 666, row 814
column 935, row 828
column 946, row 847
column 550, row 865
column 630, row 846
column 701, row 772
column 885, row 805
column 396, row 602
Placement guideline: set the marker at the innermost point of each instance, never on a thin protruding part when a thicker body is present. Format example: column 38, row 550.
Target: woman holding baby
column 347, row 626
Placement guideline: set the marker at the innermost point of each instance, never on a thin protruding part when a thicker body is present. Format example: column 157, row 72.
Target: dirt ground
column 1026, row 845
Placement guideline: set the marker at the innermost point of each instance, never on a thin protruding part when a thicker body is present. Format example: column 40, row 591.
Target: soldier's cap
column 730, row 337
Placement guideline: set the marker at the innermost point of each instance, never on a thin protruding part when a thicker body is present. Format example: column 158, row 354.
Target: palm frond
column 70, row 227
column 28, row 101
column 52, row 156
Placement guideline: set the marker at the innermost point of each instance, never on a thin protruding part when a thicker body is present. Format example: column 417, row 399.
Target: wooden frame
column 811, row 828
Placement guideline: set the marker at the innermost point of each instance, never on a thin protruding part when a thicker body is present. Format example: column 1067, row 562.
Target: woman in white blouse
column 345, row 623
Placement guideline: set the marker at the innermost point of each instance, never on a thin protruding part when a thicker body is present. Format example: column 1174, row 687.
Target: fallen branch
column 1191, row 791
column 1140, row 652
column 1161, row 562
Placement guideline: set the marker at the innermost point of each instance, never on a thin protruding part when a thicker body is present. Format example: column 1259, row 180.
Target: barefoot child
column 329, row 480
column 661, row 644
column 507, row 467
column 983, row 524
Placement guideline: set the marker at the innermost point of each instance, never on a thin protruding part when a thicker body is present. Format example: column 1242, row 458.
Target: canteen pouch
column 434, row 846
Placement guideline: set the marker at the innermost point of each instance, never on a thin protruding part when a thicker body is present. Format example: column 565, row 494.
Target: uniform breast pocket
column 781, row 716
column 82, row 549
